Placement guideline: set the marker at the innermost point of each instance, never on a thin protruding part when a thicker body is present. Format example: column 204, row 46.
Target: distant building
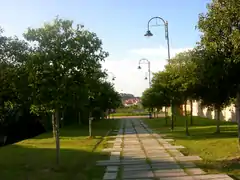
column 131, row 102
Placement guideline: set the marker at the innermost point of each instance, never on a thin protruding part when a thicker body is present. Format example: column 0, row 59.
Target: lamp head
column 113, row 78
column 145, row 78
column 139, row 67
column 148, row 33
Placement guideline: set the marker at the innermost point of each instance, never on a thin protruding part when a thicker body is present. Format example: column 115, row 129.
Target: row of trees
column 55, row 70
column 209, row 72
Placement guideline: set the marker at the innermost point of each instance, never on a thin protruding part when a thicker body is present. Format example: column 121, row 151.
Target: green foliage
column 56, row 67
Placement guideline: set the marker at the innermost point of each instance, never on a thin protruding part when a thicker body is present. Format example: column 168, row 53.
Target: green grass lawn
column 220, row 152
column 34, row 159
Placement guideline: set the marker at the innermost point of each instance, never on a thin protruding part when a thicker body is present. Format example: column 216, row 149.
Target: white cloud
column 129, row 79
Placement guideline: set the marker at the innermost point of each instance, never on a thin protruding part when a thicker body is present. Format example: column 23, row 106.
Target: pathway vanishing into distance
column 140, row 154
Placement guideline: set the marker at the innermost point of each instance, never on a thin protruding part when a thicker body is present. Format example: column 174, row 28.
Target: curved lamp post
column 149, row 34
column 146, row 61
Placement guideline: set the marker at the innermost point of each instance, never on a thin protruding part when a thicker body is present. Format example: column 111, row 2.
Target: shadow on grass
column 21, row 163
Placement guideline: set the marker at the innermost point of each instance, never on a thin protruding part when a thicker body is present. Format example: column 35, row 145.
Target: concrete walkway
column 138, row 153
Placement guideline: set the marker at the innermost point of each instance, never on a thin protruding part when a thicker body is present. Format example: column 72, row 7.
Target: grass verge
column 220, row 152
column 35, row 158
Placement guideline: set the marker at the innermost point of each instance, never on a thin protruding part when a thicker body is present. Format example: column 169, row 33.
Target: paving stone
column 177, row 154
column 178, row 178
column 158, row 156
column 114, row 157
column 138, row 174
column 169, row 173
column 174, row 147
column 115, row 153
column 112, row 169
column 187, row 164
column 195, row 171
column 188, row 158
column 110, row 176
column 111, row 142
column 166, row 159
column 160, row 166
column 135, row 161
column 139, row 167
column 212, row 176
column 108, row 162
column 134, row 158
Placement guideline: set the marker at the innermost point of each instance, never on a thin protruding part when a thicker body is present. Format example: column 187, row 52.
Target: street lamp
column 146, row 61
column 149, row 34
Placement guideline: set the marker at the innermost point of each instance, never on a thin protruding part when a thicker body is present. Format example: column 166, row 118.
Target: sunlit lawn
column 220, row 152
column 34, row 159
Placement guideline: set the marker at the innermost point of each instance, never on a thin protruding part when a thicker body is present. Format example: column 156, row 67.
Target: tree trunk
column 57, row 137
column 79, row 118
column 185, row 108
column 186, row 125
column 62, row 119
column 191, row 112
column 54, row 125
column 166, row 116
column 218, row 110
column 172, row 118
column 238, row 115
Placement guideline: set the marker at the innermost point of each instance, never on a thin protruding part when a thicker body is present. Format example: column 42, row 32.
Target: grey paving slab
column 212, row 176
column 108, row 162
column 112, row 169
column 178, row 178
column 174, row 147
column 140, row 167
column 117, row 153
column 188, row 158
column 114, row 157
column 110, row 176
column 162, row 161
column 112, row 150
column 187, row 164
column 176, row 154
column 138, row 174
column 195, row 171
column 169, row 173
column 160, row 166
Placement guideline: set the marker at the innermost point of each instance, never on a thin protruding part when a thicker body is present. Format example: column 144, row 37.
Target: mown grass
column 34, row 159
column 220, row 152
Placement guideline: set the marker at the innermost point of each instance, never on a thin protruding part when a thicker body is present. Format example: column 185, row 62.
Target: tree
column 220, row 39
column 183, row 73
column 62, row 61
column 213, row 85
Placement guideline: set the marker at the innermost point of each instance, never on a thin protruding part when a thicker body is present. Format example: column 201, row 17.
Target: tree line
column 54, row 74
column 209, row 72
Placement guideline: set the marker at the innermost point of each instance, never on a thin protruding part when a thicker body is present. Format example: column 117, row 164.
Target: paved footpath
column 139, row 154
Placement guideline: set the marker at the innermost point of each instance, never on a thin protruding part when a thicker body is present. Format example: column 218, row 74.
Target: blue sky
column 121, row 25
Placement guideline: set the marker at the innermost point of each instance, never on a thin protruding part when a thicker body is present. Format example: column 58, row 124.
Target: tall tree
column 221, row 32
column 61, row 56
